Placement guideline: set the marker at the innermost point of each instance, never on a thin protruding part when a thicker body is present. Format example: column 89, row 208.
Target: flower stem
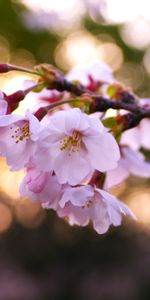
column 42, row 111
column 14, row 99
column 4, row 68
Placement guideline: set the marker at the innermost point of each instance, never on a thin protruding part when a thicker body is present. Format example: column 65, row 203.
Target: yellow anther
column 71, row 143
column 21, row 133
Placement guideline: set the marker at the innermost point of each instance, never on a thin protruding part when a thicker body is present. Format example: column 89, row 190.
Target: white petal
column 3, row 107
column 10, row 119
column 78, row 196
column 99, row 71
column 66, row 121
column 17, row 154
column 103, row 151
column 72, row 169
column 18, row 157
column 42, row 158
column 75, row 215
column 115, row 204
column 34, row 126
column 96, row 125
column 136, row 163
column 116, row 176
column 100, row 218
column 51, row 193
column 132, row 138
column 72, row 120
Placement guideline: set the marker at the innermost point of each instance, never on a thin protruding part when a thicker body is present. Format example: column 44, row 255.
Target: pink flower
column 131, row 162
column 41, row 186
column 78, row 144
column 97, row 70
column 3, row 104
column 18, row 137
column 139, row 136
column 83, row 204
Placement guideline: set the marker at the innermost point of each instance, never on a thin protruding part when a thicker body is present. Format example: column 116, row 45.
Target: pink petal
column 132, row 138
column 10, row 119
column 114, row 204
column 100, row 218
column 3, row 107
column 72, row 169
column 136, row 164
column 99, row 71
column 78, row 196
column 103, row 151
column 34, row 126
column 75, row 215
column 116, row 176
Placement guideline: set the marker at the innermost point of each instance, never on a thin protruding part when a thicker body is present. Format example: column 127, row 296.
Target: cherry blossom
column 18, row 136
column 97, row 70
column 77, row 144
column 138, row 136
column 68, row 155
column 131, row 162
column 80, row 205
column 41, row 186
column 3, row 104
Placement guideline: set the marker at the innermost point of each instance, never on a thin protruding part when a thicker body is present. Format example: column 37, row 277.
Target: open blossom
column 138, row 136
column 96, row 69
column 41, row 186
column 80, row 205
column 77, row 144
column 131, row 162
column 3, row 105
column 18, row 136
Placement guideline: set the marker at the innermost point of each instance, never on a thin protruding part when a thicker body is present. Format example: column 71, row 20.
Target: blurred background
column 41, row 256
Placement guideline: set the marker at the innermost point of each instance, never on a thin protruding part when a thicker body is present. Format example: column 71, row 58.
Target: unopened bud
column 41, row 113
column 4, row 68
column 15, row 97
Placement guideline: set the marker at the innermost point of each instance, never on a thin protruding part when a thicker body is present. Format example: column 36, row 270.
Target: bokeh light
column 4, row 50
column 28, row 213
column 131, row 74
column 81, row 47
column 136, row 33
column 6, row 218
column 78, row 47
column 139, row 202
column 53, row 15
column 9, row 181
column 126, row 10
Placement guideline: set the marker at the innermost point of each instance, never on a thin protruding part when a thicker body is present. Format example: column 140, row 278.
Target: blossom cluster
column 69, row 157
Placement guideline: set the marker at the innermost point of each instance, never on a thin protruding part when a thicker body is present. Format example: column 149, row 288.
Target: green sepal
column 110, row 122
column 115, row 128
column 111, row 91
column 40, row 88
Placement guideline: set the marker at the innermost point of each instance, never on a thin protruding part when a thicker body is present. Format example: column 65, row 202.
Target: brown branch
column 100, row 103
column 131, row 120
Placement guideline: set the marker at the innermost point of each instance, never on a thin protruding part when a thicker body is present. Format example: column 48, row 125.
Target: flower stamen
column 71, row 143
column 21, row 133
